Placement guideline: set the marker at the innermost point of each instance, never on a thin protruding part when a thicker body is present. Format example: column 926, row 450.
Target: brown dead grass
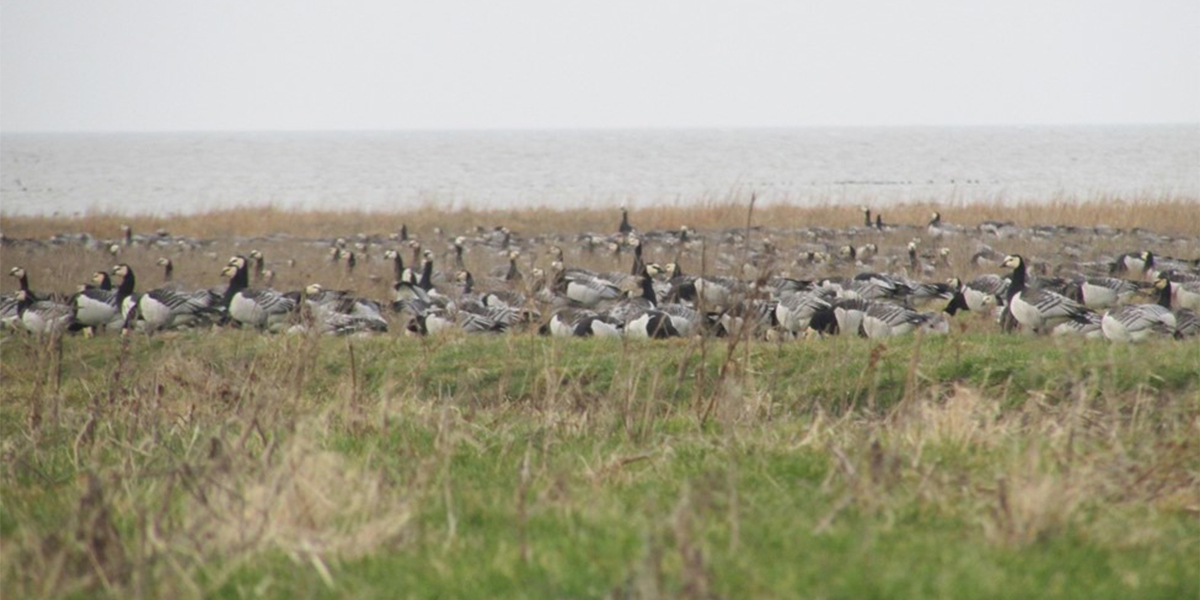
column 1165, row 214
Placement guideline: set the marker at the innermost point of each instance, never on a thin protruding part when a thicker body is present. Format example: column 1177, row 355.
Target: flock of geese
column 1128, row 298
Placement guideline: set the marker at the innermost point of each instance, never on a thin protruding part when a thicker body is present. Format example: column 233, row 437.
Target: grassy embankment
column 237, row 465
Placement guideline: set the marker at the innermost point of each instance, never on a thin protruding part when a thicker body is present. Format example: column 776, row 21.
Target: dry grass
column 1165, row 214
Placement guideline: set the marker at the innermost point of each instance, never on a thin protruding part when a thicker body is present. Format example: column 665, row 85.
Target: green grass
column 233, row 465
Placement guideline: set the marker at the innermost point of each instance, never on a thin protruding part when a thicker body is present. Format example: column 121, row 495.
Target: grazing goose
column 983, row 292
column 1038, row 310
column 795, row 311
column 262, row 309
column 42, row 317
column 884, row 319
column 101, row 306
column 1137, row 322
column 1101, row 292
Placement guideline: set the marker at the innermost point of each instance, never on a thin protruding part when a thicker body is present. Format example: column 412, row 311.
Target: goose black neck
column 468, row 283
column 404, row 232
column 127, row 285
column 957, row 303
column 237, row 283
column 398, row 266
column 648, row 289
column 1017, row 283
column 867, row 222
column 458, row 256
column 426, row 282
column 25, row 282
column 1164, row 295
column 169, row 271
column 879, row 222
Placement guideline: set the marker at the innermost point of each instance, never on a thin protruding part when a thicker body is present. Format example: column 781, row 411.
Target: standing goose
column 1038, row 310
column 624, row 228
column 168, row 268
column 397, row 264
column 1137, row 322
column 100, row 306
column 261, row 309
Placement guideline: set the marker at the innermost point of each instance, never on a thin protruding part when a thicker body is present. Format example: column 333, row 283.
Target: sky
column 184, row 65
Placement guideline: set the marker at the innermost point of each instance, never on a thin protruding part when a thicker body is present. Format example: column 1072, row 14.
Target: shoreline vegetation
column 1163, row 213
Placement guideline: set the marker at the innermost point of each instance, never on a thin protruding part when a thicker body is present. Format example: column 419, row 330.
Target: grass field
column 234, row 465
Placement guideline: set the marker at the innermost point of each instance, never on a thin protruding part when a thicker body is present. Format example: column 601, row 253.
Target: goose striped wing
column 1145, row 316
column 270, row 301
column 895, row 315
column 990, row 284
column 1052, row 304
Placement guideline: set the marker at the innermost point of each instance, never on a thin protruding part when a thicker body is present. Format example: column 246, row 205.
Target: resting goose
column 1038, row 310
column 262, row 309
column 1185, row 294
column 579, row 322
column 1137, row 322
column 337, row 312
column 583, row 289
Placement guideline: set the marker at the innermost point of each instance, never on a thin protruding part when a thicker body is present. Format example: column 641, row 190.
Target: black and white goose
column 101, row 306
column 982, row 293
column 262, row 309
column 583, row 289
column 1102, row 292
column 1038, row 310
column 339, row 313
column 1138, row 322
column 164, row 308
column 884, row 319
column 795, row 311
column 168, row 268
column 1137, row 263
column 42, row 317
column 581, row 322
column 1185, row 294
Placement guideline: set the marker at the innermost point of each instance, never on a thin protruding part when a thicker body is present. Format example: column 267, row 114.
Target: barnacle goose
column 397, row 264
column 624, row 228
column 168, row 268
column 263, row 309
column 100, row 306
column 795, row 311
column 338, row 312
column 884, row 319
column 982, row 292
column 42, row 317
column 1185, row 294
column 1038, row 310
column 1101, row 292
column 1137, row 322
column 1134, row 262
column 583, row 289
column 581, row 322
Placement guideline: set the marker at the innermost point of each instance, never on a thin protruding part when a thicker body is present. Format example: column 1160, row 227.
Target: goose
column 624, row 228
column 338, row 313
column 257, row 256
column 983, row 292
column 1185, row 294
column 937, row 228
column 458, row 253
column 1088, row 325
column 1038, row 310
column 513, row 274
column 42, row 317
column 866, row 217
column 1102, row 292
column 1133, row 262
column 397, row 264
column 263, row 309
column 100, row 306
column 1138, row 322
column 795, row 311
column 583, row 289
column 1187, row 323
column 10, row 314
column 883, row 319
column 578, row 322
column 168, row 268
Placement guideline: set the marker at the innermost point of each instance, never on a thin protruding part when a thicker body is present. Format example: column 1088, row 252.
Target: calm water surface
column 184, row 173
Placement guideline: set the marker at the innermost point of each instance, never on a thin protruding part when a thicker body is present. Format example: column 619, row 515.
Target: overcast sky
column 125, row 65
